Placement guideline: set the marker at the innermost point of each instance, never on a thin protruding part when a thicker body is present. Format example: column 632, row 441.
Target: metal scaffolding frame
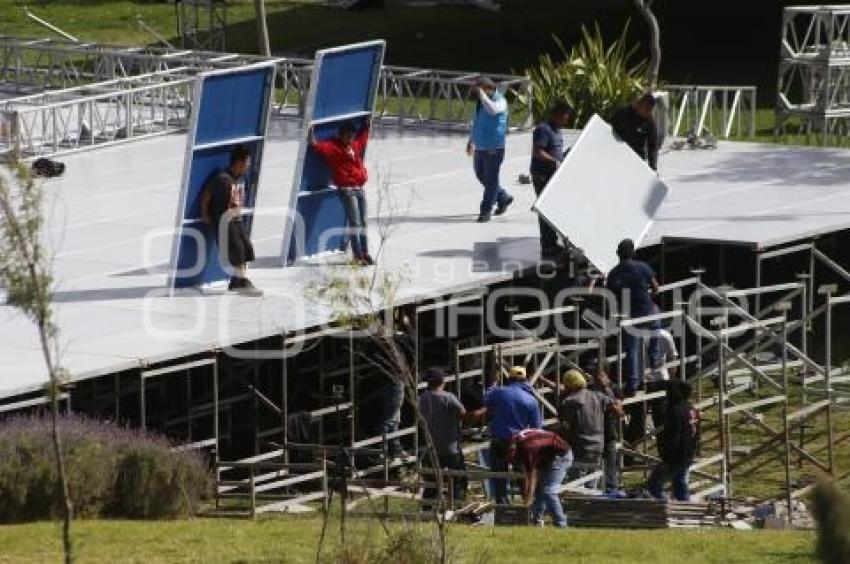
column 814, row 71
column 55, row 80
column 734, row 386
column 202, row 24
column 725, row 111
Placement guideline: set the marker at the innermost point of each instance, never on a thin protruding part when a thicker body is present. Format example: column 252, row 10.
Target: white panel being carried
column 602, row 193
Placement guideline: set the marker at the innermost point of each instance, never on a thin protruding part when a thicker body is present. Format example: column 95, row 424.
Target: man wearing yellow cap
column 510, row 408
column 582, row 415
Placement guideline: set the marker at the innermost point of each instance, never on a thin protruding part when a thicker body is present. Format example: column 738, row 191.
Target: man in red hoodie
column 344, row 156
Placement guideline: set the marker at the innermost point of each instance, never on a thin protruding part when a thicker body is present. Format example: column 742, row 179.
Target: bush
column 112, row 472
column 593, row 77
column 831, row 509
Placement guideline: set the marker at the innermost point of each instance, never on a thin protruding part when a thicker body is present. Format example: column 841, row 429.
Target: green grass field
column 295, row 540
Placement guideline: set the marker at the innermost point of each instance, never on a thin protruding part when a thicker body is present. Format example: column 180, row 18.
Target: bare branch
column 645, row 9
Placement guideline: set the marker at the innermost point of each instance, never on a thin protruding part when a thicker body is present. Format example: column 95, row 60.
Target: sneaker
column 244, row 287
column 503, row 207
column 483, row 218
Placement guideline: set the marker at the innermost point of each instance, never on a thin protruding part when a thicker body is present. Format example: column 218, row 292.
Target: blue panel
column 233, row 105
column 347, row 81
column 205, row 165
column 345, row 85
column 322, row 233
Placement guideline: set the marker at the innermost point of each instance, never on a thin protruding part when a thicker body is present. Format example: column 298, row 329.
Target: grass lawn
column 294, row 540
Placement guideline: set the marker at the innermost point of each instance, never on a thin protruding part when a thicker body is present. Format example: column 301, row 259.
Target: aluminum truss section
column 410, row 96
column 96, row 115
column 202, row 24
column 424, row 96
column 725, row 111
column 814, row 71
column 41, row 64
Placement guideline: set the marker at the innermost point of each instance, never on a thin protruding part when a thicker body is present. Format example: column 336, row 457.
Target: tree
column 362, row 300
column 645, row 9
column 25, row 274
column 594, row 76
column 262, row 28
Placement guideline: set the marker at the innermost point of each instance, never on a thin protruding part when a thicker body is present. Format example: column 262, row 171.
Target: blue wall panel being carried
column 342, row 89
column 231, row 109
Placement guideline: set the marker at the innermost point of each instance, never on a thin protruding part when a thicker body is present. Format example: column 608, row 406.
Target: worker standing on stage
column 546, row 156
column 635, row 124
column 487, row 146
column 344, row 156
column 221, row 200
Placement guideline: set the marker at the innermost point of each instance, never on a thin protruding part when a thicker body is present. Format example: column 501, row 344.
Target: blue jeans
column 499, row 463
column 633, row 339
column 666, row 472
column 548, row 236
column 354, row 204
column 546, row 496
column 487, row 163
column 393, row 399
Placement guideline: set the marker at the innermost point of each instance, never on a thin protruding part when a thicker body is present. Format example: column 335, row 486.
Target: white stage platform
column 110, row 223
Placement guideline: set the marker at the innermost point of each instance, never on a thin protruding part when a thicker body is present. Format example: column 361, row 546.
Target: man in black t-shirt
column 679, row 447
column 222, row 199
column 546, row 156
column 635, row 124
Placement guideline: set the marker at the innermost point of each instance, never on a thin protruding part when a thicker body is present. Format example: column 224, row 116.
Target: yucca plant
column 594, row 77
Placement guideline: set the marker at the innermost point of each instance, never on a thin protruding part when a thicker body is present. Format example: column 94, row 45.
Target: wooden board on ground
column 585, row 511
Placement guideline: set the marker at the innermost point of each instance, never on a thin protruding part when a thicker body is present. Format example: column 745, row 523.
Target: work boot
column 503, row 207
column 366, row 260
column 483, row 218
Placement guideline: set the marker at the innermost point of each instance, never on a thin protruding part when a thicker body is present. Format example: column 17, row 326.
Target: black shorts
column 239, row 247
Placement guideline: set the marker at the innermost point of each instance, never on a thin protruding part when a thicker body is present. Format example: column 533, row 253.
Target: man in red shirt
column 545, row 457
column 344, row 156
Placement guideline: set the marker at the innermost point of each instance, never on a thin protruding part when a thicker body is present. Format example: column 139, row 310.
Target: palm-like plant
column 593, row 77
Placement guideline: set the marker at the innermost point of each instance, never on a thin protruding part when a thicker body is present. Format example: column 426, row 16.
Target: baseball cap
column 574, row 380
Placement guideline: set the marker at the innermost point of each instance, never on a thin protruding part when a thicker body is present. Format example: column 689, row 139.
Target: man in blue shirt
column 510, row 409
column 633, row 283
column 487, row 146
column 546, row 156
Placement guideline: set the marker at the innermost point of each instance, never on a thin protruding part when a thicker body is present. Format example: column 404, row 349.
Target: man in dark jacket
column 678, row 449
column 547, row 153
column 635, row 125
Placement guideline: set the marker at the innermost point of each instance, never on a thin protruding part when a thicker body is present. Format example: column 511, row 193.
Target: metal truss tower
column 814, row 71
column 202, row 24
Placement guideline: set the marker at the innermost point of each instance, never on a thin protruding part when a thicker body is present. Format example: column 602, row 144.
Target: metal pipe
column 49, row 26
